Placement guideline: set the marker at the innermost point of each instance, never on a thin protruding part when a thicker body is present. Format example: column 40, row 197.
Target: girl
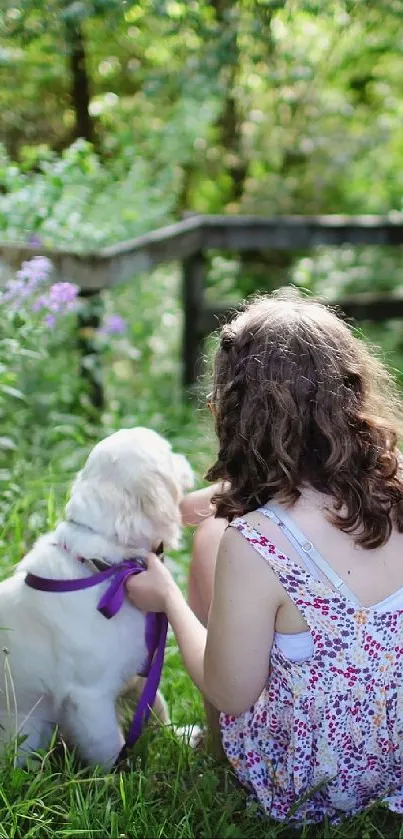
column 302, row 593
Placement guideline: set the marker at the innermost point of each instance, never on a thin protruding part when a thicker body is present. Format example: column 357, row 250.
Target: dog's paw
column 193, row 735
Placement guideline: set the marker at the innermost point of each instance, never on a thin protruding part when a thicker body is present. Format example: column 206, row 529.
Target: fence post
column 89, row 320
column 193, row 277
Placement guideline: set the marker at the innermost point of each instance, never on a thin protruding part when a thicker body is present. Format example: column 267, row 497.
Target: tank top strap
column 279, row 562
column 323, row 609
column 312, row 559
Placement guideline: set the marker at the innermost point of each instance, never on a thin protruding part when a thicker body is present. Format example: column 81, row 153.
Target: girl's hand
column 196, row 506
column 150, row 590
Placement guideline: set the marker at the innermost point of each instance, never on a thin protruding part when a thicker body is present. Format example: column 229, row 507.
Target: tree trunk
column 80, row 83
column 229, row 122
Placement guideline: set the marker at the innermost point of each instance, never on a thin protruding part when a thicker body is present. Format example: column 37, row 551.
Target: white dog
column 63, row 662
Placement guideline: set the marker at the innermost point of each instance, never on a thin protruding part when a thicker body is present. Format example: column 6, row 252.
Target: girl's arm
column 229, row 662
column 246, row 598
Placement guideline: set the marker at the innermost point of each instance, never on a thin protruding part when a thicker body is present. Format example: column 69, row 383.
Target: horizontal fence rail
column 104, row 268
column 189, row 241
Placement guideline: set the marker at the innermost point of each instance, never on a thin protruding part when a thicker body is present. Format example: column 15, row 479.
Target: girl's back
column 372, row 576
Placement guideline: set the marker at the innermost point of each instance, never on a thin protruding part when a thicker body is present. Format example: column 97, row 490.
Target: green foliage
column 67, row 202
column 272, row 106
column 35, row 412
column 260, row 107
column 46, row 429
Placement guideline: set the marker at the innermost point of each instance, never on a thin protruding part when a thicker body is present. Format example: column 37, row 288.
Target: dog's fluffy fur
column 64, row 663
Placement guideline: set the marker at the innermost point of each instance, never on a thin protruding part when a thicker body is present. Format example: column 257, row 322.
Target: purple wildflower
column 113, row 325
column 62, row 296
column 24, row 290
column 40, row 302
column 31, row 274
column 13, row 290
column 35, row 271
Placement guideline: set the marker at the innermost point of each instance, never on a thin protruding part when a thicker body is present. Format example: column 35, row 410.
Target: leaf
column 12, row 391
column 7, row 443
column 35, row 354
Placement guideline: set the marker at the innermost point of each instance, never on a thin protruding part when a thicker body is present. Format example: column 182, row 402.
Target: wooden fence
column 189, row 241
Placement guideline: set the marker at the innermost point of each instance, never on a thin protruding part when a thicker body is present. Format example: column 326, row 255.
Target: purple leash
column 109, row 604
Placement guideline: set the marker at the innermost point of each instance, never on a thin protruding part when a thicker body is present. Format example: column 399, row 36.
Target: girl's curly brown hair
column 299, row 400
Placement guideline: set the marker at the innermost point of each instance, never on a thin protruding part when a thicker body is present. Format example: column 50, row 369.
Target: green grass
column 168, row 790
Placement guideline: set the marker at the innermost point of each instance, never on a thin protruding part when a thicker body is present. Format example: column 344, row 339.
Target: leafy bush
column 46, row 427
column 34, row 318
column 75, row 202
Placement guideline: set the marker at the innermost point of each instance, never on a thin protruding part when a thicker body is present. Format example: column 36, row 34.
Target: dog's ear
column 91, row 504
column 105, row 509
column 132, row 497
column 156, row 512
column 129, row 519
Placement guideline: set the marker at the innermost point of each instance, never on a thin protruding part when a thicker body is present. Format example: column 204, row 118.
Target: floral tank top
column 325, row 737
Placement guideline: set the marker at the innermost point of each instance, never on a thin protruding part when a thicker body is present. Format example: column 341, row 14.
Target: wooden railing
column 189, row 241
